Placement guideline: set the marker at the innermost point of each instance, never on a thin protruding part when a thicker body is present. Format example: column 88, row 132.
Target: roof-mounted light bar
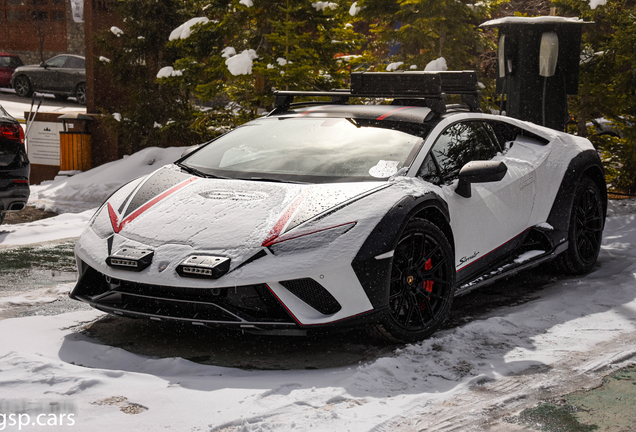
column 428, row 87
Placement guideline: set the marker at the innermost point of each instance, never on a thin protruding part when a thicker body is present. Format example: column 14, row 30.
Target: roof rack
column 406, row 88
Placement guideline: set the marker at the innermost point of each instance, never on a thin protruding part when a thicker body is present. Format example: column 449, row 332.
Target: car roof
column 410, row 114
column 416, row 96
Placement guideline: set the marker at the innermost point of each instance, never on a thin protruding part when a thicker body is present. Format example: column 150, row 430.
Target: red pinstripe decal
column 304, row 233
column 385, row 115
column 289, row 212
column 114, row 219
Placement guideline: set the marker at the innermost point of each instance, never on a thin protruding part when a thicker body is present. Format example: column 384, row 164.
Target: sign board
column 43, row 143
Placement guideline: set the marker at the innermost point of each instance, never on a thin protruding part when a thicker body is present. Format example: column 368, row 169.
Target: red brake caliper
column 427, row 285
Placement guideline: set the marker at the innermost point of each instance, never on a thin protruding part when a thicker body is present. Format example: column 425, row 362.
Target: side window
column 461, row 143
column 75, row 63
column 57, row 61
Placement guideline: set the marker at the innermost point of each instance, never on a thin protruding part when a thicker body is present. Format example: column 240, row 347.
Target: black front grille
column 251, row 303
column 314, row 294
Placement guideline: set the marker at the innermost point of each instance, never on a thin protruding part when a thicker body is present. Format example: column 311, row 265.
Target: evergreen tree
column 608, row 83
column 132, row 56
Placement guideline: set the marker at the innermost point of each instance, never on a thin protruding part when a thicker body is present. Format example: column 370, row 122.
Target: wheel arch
column 586, row 163
column 374, row 273
column 21, row 75
column 439, row 218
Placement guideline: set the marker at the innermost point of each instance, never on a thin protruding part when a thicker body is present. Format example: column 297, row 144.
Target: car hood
column 172, row 207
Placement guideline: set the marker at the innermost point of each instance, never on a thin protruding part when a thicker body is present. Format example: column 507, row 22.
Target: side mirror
column 44, row 65
column 479, row 172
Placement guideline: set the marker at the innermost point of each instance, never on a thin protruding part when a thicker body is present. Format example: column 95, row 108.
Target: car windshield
column 311, row 150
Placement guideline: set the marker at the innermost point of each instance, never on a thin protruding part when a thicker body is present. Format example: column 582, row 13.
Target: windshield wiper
column 264, row 179
column 198, row 173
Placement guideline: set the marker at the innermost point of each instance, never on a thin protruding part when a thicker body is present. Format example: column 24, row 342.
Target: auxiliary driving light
column 204, row 266
column 130, row 259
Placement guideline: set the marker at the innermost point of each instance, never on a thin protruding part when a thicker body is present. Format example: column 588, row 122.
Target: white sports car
column 329, row 214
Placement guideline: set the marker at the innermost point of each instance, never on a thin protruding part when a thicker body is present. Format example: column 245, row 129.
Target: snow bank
column 89, row 189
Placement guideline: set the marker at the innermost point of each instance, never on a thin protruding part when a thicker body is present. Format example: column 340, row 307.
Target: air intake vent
column 312, row 293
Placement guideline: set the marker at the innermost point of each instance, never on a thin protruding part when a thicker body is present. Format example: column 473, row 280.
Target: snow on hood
column 170, row 206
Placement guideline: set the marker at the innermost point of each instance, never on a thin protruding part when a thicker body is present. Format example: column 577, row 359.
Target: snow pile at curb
column 89, row 189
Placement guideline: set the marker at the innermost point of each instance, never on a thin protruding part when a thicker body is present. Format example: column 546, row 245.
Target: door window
column 56, row 61
column 459, row 144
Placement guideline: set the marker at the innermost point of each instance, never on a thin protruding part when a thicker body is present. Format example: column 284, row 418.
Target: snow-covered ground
column 462, row 379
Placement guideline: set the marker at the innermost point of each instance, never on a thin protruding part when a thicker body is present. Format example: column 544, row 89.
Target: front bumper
column 250, row 308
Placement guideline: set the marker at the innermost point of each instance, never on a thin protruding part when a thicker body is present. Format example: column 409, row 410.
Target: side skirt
column 510, row 269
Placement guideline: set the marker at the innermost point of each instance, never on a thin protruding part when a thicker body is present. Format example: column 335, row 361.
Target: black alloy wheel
column 22, row 86
column 586, row 229
column 80, row 93
column 422, row 283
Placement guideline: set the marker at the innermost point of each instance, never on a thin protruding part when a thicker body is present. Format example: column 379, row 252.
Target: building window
column 16, row 15
column 39, row 16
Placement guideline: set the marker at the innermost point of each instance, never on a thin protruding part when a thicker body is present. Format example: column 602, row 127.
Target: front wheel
column 585, row 231
column 80, row 93
column 22, row 86
column 422, row 284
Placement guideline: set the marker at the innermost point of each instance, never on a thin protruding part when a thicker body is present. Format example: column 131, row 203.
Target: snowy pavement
column 17, row 106
column 465, row 378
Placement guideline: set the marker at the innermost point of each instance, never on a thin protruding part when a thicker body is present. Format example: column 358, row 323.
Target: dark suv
column 14, row 166
column 63, row 75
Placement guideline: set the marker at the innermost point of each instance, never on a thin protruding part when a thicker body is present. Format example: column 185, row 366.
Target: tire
column 22, row 86
column 586, row 230
column 2, row 215
column 80, row 93
column 422, row 284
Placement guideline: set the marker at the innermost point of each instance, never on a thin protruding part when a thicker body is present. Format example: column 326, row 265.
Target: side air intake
column 314, row 294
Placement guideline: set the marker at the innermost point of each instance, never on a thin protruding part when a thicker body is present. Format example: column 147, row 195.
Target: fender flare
column 587, row 163
column 374, row 274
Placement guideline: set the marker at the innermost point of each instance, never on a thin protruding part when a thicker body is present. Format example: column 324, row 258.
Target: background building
column 37, row 30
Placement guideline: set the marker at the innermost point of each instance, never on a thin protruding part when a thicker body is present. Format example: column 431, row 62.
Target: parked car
column 63, row 75
column 325, row 214
column 8, row 63
column 14, row 166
